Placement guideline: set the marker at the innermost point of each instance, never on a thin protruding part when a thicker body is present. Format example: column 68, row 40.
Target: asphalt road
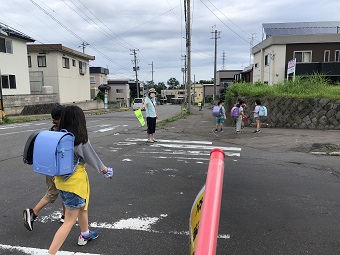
column 273, row 202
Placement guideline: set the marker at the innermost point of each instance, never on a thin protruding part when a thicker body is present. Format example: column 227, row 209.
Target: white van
column 137, row 103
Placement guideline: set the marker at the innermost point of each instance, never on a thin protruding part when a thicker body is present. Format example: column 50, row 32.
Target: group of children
column 75, row 190
column 241, row 118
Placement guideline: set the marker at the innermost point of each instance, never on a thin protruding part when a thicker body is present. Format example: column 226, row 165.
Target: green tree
column 173, row 83
column 207, row 82
column 159, row 87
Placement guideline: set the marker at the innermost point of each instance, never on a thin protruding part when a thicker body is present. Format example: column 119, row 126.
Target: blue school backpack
column 235, row 112
column 53, row 153
column 217, row 111
column 262, row 111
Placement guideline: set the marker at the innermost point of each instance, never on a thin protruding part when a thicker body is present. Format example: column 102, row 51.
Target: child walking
column 75, row 190
column 240, row 117
column 256, row 115
column 29, row 214
column 220, row 119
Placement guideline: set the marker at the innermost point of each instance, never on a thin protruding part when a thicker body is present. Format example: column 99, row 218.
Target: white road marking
column 36, row 251
column 169, row 141
column 185, row 146
column 18, row 132
column 139, row 224
column 106, row 129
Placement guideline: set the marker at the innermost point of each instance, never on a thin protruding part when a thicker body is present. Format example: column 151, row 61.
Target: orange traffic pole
column 208, row 226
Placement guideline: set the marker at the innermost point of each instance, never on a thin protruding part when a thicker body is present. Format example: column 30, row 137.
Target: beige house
column 55, row 68
column 119, row 92
column 197, row 90
column 98, row 76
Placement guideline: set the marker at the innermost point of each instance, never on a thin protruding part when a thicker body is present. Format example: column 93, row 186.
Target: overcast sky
column 156, row 28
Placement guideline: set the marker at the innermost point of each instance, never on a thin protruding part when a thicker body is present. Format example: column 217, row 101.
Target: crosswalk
column 180, row 150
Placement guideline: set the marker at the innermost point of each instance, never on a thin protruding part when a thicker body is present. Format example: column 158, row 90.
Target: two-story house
column 314, row 45
column 98, row 76
column 13, row 62
column 55, row 68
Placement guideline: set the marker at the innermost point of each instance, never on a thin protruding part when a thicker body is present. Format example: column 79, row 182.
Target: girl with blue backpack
column 257, row 116
column 75, row 190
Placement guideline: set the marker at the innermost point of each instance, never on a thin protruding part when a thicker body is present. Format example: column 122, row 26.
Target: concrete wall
column 40, row 104
column 309, row 113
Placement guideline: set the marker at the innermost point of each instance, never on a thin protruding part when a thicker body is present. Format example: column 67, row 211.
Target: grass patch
column 312, row 86
column 8, row 120
column 182, row 115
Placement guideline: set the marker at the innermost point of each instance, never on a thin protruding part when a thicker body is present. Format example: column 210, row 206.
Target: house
column 13, row 62
column 174, row 96
column 55, row 68
column 119, row 92
column 246, row 75
column 314, row 45
column 197, row 93
column 98, row 76
column 226, row 77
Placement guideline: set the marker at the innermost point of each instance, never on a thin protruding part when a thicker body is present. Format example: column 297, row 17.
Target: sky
column 155, row 29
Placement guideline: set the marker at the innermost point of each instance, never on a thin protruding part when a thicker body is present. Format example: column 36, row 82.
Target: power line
column 75, row 35
column 225, row 23
column 120, row 43
column 228, row 18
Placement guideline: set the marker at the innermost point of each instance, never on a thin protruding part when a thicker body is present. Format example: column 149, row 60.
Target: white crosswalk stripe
column 36, row 251
column 180, row 150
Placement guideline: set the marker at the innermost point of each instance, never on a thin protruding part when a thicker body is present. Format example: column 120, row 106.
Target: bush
column 312, row 86
column 99, row 97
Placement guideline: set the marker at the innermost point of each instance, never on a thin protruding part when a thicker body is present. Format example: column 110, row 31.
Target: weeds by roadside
column 182, row 115
column 312, row 86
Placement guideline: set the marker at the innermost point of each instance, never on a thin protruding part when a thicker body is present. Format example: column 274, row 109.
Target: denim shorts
column 71, row 200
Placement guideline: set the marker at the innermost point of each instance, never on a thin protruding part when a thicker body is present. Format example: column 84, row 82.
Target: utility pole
column 83, row 45
column 223, row 60
column 188, row 45
column 216, row 36
column 251, row 47
column 152, row 72
column 184, row 71
column 135, row 68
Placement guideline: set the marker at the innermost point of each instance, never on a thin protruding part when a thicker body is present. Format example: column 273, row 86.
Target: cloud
column 157, row 28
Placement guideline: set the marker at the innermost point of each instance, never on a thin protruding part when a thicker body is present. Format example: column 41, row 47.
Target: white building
column 13, row 62
column 55, row 68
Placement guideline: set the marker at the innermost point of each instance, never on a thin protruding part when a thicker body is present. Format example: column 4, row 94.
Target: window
column 256, row 65
column 41, row 61
column 29, row 59
column 73, row 62
column 8, row 82
column 92, row 79
column 337, row 56
column 266, row 60
column 82, row 67
column 66, row 63
column 6, row 45
column 303, row 56
column 119, row 90
column 326, row 56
